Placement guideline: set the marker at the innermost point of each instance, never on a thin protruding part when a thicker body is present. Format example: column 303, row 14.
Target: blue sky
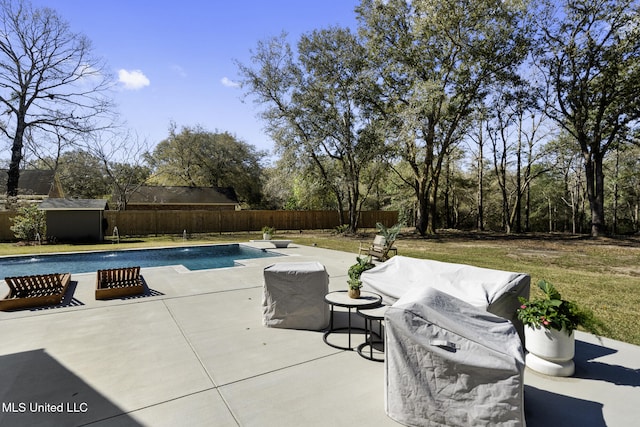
column 175, row 59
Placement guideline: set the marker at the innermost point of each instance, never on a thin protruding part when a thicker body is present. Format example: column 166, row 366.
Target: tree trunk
column 480, row 216
column 518, row 204
column 16, row 158
column 353, row 213
column 506, row 223
column 422, row 211
column 433, row 210
column 340, row 206
column 550, row 212
column 598, row 226
column 595, row 193
column 616, row 195
column 448, row 196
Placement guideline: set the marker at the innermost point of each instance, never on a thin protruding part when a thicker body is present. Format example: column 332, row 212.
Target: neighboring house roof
column 33, row 182
column 184, row 195
column 74, row 205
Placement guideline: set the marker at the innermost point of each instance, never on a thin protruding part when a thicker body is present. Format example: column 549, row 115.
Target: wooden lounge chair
column 35, row 291
column 378, row 248
column 119, row 282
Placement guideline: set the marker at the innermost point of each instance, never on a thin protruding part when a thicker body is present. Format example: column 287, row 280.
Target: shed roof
column 74, row 204
column 185, row 195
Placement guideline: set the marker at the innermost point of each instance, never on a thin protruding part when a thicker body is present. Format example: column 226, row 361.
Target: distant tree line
column 493, row 114
column 191, row 157
column 515, row 116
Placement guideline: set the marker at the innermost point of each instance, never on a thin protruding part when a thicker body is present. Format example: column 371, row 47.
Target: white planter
column 266, row 236
column 550, row 351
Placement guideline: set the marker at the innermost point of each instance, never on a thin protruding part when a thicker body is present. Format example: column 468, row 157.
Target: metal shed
column 75, row 219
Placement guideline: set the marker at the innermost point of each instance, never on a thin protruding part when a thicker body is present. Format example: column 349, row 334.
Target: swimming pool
column 192, row 257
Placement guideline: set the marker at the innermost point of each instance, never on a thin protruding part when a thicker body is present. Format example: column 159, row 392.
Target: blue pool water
column 192, row 257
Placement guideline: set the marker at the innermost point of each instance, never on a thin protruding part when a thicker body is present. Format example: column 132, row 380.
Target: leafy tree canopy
column 199, row 158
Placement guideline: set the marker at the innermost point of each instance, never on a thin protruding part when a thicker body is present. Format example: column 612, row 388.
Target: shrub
column 29, row 223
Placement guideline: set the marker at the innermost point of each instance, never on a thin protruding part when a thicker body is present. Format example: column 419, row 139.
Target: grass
column 600, row 274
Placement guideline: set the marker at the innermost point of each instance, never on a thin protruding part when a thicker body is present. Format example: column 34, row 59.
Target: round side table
column 370, row 315
column 342, row 299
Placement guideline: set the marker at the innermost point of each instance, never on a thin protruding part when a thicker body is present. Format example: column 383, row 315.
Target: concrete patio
column 193, row 351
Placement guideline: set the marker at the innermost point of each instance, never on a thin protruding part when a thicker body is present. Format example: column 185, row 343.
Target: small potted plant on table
column 354, row 282
column 267, row 232
column 550, row 323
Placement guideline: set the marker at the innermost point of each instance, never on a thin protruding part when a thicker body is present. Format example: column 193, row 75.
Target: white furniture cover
column 293, row 296
column 448, row 363
column 494, row 290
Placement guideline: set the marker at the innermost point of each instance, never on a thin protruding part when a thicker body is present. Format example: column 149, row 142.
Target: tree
column 82, row 175
column 624, row 189
column 436, row 59
column 121, row 177
column 335, row 98
column 95, row 168
column 318, row 107
column 196, row 157
column 591, row 54
column 515, row 128
column 478, row 139
column 291, row 184
column 561, row 187
column 48, row 80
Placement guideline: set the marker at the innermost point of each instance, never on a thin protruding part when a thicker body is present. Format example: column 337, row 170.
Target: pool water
column 192, row 257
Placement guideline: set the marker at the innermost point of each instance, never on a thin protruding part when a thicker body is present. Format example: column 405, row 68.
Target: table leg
column 349, row 327
column 332, row 329
column 331, row 319
column 371, row 338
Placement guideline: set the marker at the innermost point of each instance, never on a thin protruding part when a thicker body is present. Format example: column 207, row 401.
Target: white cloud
column 133, row 80
column 229, row 83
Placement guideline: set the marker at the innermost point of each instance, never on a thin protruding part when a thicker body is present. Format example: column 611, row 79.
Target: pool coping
column 180, row 267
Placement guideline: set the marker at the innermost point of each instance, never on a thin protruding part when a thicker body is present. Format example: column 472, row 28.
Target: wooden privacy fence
column 176, row 222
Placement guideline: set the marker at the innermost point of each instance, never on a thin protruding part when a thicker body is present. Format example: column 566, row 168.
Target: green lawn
column 602, row 274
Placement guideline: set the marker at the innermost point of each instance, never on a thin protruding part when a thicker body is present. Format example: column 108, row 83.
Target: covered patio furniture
column 119, row 282
column 448, row 363
column 495, row 291
column 293, row 296
column 35, row 291
column 377, row 249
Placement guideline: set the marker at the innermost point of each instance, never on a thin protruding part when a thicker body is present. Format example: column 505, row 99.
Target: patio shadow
column 148, row 292
column 67, row 301
column 37, row 390
column 587, row 368
column 544, row 408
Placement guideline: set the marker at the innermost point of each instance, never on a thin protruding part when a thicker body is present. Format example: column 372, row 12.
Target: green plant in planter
column 553, row 312
column 363, row 264
column 268, row 230
column 390, row 234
